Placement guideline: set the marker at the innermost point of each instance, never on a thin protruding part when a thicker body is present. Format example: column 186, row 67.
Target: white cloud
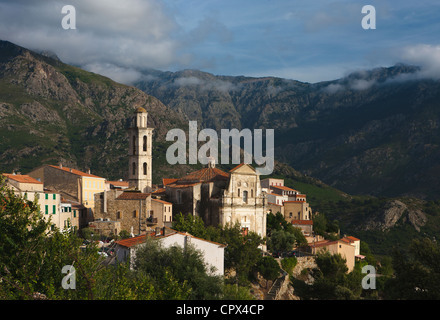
column 426, row 56
column 116, row 73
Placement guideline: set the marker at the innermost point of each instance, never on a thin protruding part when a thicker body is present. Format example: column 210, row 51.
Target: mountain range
column 373, row 132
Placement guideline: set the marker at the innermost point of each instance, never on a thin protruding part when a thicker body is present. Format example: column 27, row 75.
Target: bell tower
column 140, row 152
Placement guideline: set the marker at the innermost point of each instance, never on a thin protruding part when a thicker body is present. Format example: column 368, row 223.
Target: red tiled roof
column 130, row 195
column 302, row 222
column 294, row 201
column 283, row 188
column 204, row 175
column 129, row 242
column 74, row 171
column 22, row 178
column 118, row 183
column 351, row 239
column 166, row 181
column 161, row 190
column 161, row 201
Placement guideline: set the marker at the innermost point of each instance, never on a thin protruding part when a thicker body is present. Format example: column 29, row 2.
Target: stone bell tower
column 140, row 152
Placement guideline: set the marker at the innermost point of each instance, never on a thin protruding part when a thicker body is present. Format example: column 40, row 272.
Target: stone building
column 130, row 209
column 220, row 198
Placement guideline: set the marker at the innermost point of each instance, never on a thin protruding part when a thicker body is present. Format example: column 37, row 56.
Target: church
column 221, row 198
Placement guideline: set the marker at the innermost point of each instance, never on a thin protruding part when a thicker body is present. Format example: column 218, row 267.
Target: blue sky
column 303, row 40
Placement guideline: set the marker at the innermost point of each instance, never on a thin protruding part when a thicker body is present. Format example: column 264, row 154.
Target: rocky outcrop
column 395, row 212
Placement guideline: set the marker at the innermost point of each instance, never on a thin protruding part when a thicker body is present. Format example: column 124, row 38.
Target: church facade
column 221, row 198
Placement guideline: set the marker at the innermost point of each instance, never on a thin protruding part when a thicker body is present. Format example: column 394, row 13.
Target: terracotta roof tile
column 302, row 222
column 22, row 178
column 204, row 175
column 74, row 171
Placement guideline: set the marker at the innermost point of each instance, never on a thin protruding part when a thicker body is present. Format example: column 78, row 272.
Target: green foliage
column 331, row 281
column 282, row 236
column 280, row 241
column 417, row 273
column 185, row 266
column 194, row 225
column 268, row 267
column 288, row 264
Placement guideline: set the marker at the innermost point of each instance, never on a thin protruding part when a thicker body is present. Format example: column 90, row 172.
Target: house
column 130, row 208
column 161, row 213
column 342, row 247
column 72, row 184
column 212, row 252
column 49, row 201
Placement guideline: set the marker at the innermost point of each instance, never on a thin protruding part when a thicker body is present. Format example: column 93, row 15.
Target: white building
column 213, row 252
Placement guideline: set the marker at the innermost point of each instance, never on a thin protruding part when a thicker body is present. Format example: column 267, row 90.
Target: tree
column 194, row 225
column 242, row 251
column 416, row 273
column 268, row 267
column 280, row 240
column 180, row 272
column 331, row 280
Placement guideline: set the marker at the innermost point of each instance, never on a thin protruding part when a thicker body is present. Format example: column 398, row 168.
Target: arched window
column 145, row 168
column 134, row 144
column 145, row 143
column 252, row 193
column 133, row 168
column 238, row 191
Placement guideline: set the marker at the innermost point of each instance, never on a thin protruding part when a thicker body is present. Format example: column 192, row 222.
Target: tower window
column 145, row 143
column 145, row 168
column 134, row 168
column 134, row 144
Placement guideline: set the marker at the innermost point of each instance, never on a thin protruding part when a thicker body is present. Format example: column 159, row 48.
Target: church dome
column 140, row 110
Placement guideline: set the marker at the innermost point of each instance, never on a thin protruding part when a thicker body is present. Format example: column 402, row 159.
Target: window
column 245, row 196
column 133, row 168
column 118, row 215
column 145, row 168
column 134, row 144
column 46, row 196
column 74, row 213
column 290, row 215
column 135, row 214
column 145, row 143
column 54, row 209
column 238, row 191
column 46, row 207
column 54, row 196
column 252, row 193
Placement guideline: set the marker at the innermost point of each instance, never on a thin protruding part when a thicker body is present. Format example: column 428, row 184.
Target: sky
column 304, row 40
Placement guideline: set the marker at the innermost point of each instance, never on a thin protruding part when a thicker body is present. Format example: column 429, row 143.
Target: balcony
column 151, row 221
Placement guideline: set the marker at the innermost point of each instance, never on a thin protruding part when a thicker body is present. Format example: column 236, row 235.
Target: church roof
column 205, row 175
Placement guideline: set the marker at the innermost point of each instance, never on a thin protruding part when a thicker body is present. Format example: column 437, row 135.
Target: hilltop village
column 77, row 199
